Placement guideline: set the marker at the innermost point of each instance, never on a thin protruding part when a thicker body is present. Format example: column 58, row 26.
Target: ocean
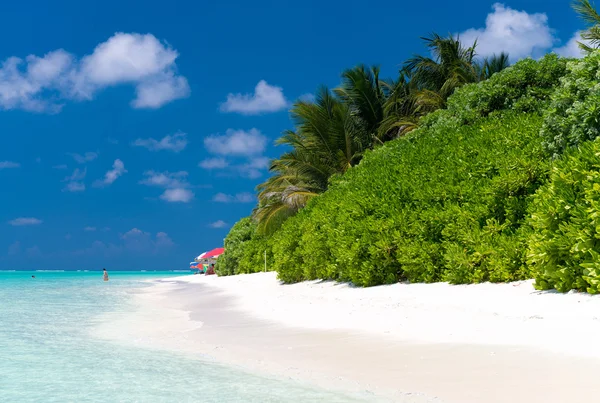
column 48, row 352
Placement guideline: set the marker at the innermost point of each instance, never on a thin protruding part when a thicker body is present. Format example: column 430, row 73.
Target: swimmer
column 105, row 275
column 32, row 276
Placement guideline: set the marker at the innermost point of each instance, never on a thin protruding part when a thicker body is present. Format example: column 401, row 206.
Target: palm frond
column 591, row 36
column 586, row 11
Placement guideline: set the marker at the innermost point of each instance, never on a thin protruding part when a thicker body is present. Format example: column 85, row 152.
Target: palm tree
column 591, row 35
column 401, row 110
column 493, row 65
column 452, row 66
column 332, row 132
column 328, row 140
column 365, row 94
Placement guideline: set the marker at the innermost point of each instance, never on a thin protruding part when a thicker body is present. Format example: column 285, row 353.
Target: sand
column 403, row 342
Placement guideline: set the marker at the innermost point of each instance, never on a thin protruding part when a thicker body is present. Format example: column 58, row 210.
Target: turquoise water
column 47, row 352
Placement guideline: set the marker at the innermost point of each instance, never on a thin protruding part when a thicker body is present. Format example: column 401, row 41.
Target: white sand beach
column 402, row 342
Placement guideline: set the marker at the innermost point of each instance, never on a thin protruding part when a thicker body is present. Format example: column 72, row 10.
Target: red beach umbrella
column 213, row 254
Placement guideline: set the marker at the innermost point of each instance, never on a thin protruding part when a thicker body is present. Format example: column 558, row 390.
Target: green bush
column 239, row 235
column 244, row 250
column 574, row 113
column 564, row 249
column 253, row 257
column 445, row 203
column 526, row 86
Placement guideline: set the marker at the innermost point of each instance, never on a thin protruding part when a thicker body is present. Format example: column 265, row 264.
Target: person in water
column 105, row 275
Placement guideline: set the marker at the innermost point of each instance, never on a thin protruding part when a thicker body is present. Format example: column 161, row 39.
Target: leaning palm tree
column 591, row 35
column 327, row 141
column 286, row 192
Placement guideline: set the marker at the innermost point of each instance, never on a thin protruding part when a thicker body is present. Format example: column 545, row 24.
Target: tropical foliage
column 235, row 244
column 564, row 250
column 591, row 36
column 245, row 250
column 327, row 140
column 574, row 114
column 446, row 203
column 333, row 132
column 461, row 170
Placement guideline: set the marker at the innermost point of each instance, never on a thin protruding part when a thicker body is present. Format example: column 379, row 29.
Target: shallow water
column 48, row 352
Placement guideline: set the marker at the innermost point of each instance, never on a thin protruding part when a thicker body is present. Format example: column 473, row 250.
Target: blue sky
column 135, row 132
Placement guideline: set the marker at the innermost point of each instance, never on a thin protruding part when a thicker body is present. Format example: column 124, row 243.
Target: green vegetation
column 461, row 170
column 564, row 250
column 333, row 132
column 574, row 114
column 589, row 15
column 244, row 250
column 446, row 203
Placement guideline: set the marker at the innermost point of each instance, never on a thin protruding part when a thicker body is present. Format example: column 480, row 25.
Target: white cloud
column 259, row 163
column 62, row 166
column 266, row 98
column 254, row 167
column 222, row 198
column 113, row 174
column 161, row 90
column 36, row 83
column 82, row 159
column 22, row 221
column 218, row 224
column 249, row 145
column 244, row 197
column 213, row 163
column 134, row 233
column 176, row 143
column 9, row 164
column 177, row 195
column 163, row 240
column 165, row 179
column 237, row 142
column 77, row 175
column 251, row 173
column 175, row 183
column 517, row 32
column 137, row 240
column 89, row 229
column 74, row 181
column 571, row 48
column 74, row 187
column 308, row 97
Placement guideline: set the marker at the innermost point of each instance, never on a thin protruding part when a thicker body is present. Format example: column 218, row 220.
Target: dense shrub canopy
column 333, row 130
column 527, row 86
column 501, row 184
column 564, row 249
column 245, row 250
column 574, row 113
column 235, row 244
column 446, row 203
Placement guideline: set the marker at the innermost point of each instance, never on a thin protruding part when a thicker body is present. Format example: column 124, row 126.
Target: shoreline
column 408, row 343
